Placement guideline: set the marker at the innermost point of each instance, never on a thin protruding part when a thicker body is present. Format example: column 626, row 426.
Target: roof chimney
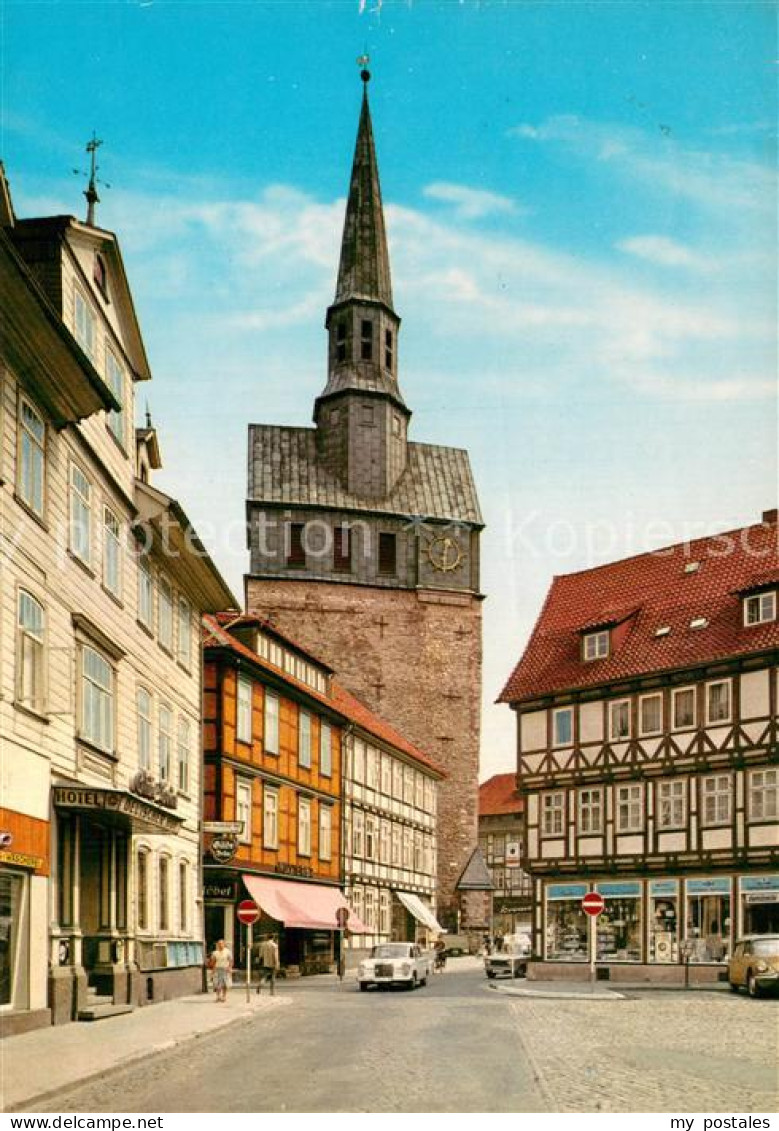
column 770, row 517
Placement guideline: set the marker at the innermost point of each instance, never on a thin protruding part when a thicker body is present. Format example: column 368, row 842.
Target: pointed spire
column 364, row 270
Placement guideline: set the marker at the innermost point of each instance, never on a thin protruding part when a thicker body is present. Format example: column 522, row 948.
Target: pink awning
column 312, row 906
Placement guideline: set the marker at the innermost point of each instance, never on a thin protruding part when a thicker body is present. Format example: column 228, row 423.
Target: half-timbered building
column 646, row 704
column 501, row 832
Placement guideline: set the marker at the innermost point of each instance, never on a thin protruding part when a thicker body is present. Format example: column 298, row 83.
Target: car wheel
column 363, row 987
column 423, row 981
column 752, row 987
column 414, row 982
column 490, row 973
column 518, row 971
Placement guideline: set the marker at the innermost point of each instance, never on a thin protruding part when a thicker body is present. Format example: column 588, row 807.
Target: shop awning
column 312, row 906
column 420, row 911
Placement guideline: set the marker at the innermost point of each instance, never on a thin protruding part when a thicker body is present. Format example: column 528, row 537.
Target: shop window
column 243, row 810
column 30, row 654
column 552, row 813
column 143, row 701
column 590, row 811
column 184, row 746
column 684, row 708
column 325, row 750
column 717, row 799
column 244, row 710
column 619, row 720
column 271, row 723
column 112, row 553
column 270, row 818
column 165, row 741
column 562, row 726
column 31, row 460
column 663, row 921
column 304, row 740
column 672, row 804
column 708, row 922
column 619, row 928
column 12, row 895
column 630, row 808
column 566, row 930
column 763, row 795
column 80, row 515
column 718, row 705
column 650, row 711
column 97, row 700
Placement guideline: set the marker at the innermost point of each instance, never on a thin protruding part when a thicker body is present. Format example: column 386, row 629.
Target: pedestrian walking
column 269, row 963
column 221, row 963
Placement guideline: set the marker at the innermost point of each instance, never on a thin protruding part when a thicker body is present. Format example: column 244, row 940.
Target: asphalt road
column 451, row 1046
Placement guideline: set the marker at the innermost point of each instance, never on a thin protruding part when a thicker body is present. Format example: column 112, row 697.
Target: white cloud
column 469, row 203
column 665, row 252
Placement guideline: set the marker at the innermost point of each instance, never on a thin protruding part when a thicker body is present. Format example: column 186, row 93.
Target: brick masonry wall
column 415, row 658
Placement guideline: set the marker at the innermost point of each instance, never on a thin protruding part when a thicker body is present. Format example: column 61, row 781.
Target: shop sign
column 216, row 827
column 114, row 801
column 762, row 897
column 663, row 887
column 144, row 785
column 224, row 848
column 613, row 891
column 566, row 891
column 708, row 887
column 294, row 870
column 224, row 890
column 511, row 904
column 21, row 859
column 760, row 883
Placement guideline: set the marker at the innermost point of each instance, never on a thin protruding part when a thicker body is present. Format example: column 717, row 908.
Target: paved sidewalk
column 39, row 1064
column 583, row 991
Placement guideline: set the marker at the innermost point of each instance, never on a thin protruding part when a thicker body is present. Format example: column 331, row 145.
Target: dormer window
column 760, row 608
column 340, row 341
column 595, row 645
column 366, row 340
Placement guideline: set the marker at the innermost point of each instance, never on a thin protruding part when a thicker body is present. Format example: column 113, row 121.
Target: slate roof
column 339, row 700
column 475, row 876
column 284, row 469
column 498, row 795
column 661, row 593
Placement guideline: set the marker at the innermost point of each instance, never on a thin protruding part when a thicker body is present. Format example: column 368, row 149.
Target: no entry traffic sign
column 593, row 903
column 248, row 912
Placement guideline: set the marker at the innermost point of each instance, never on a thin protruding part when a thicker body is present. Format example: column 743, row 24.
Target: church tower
column 365, row 545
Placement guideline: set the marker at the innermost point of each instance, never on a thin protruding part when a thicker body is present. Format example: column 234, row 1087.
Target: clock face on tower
column 444, row 553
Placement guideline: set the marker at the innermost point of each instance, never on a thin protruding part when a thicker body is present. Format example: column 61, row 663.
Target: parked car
column 755, row 964
column 510, row 960
column 395, row 964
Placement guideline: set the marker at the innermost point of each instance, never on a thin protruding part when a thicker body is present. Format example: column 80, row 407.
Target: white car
column 510, row 960
column 395, row 964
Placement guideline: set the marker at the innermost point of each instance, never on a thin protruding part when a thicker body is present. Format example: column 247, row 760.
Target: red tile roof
column 499, row 795
column 339, row 700
column 662, row 594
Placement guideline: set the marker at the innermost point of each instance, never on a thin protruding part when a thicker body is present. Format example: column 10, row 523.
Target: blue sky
column 580, row 203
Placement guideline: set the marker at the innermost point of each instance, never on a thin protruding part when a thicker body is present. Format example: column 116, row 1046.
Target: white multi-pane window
column 357, row 903
column 271, row 723
column 590, row 811
column 183, row 896
column 80, row 514
column 165, row 620
column 552, row 813
column 85, row 325
column 562, row 726
column 386, row 774
column 358, row 832
column 185, row 633
column 325, row 832
column 407, row 848
column 243, row 809
column 163, row 893
column 760, row 608
column 671, row 804
column 325, row 750
column 115, row 381
column 408, row 785
column 385, row 912
column 304, row 826
column 630, row 808
column 165, row 740
column 184, row 747
column 596, row 645
column 683, row 708
column 32, row 448
column 763, row 794
column 97, row 700
column 427, row 863
column 304, row 739
column 370, row 837
column 396, row 849
column 650, row 714
column 619, row 719
column 718, row 701
column 112, row 553
column 145, row 593
column 384, row 842
column 143, row 703
column 244, row 719
column 358, row 760
column 717, row 797
column 370, row 908
column 371, row 770
column 419, row 791
column 270, row 818
column 417, row 845
column 30, row 655
column 397, row 781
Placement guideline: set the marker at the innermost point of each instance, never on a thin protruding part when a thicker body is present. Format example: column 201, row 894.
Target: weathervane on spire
column 362, row 63
column 90, row 192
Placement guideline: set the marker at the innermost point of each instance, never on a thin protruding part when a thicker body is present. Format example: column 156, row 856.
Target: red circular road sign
column 593, row 903
column 248, row 912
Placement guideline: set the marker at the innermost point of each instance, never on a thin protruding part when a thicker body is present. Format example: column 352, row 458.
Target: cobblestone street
column 674, row 1052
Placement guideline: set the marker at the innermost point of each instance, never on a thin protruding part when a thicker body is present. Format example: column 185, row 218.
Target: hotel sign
column 115, row 802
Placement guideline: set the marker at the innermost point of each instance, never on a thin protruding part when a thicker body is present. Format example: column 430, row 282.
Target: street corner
column 584, row 994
